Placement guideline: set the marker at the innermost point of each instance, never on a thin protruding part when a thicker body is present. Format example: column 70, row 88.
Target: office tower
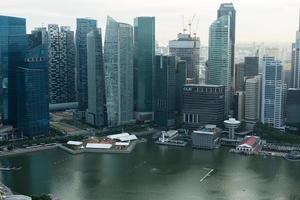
column 219, row 57
column 272, row 93
column 61, row 50
column 252, row 101
column 203, row 104
column 67, row 64
column 83, row 27
column 95, row 113
column 144, row 55
column 12, row 54
column 251, row 66
column 227, row 9
column 118, row 67
column 32, row 89
column 180, row 78
column 164, row 91
column 202, row 74
column 293, row 109
column 239, row 76
column 239, row 105
column 295, row 70
column 187, row 48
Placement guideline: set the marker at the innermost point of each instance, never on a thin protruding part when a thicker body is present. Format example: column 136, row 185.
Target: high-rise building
column 61, row 48
column 84, row 26
column 203, row 104
column 95, row 113
column 295, row 70
column 293, row 109
column 251, row 66
column 118, row 67
column 219, row 57
column 144, row 55
column 13, row 45
column 164, row 91
column 239, row 105
column 227, row 9
column 187, row 48
column 180, row 78
column 252, row 101
column 239, row 76
column 272, row 93
column 32, row 89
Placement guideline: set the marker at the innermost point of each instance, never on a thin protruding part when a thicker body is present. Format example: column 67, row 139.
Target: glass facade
column 144, row 54
column 12, row 49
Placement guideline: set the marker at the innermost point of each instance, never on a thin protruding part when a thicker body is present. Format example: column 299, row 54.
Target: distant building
column 293, row 109
column 203, row 104
column 83, row 27
column 144, row 58
column 251, row 66
column 220, row 57
column 118, row 67
column 95, row 113
column 187, row 48
column 295, row 69
column 272, row 93
column 239, row 76
column 239, row 105
column 180, row 77
column 164, row 91
column 252, row 101
column 206, row 138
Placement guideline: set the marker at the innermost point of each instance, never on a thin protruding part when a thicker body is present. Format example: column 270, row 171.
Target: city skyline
column 268, row 18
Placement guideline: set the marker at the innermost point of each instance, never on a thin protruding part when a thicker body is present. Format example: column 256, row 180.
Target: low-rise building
column 249, row 144
column 206, row 138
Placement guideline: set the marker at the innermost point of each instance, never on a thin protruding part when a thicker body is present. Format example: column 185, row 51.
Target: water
column 154, row 172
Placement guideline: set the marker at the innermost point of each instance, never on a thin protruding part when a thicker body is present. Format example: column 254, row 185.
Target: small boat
column 293, row 156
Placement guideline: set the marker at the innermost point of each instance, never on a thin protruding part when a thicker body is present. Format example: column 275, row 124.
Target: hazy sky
column 257, row 20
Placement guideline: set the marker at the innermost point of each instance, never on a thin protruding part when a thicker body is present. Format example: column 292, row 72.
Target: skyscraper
column 295, row 70
column 293, row 109
column 32, row 89
column 13, row 45
column 165, row 88
column 272, row 93
column 84, row 26
column 251, row 66
column 219, row 57
column 239, row 76
column 144, row 54
column 227, row 9
column 95, row 113
column 187, row 48
column 118, row 67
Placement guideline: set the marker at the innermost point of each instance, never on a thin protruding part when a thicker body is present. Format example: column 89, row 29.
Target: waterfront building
column 251, row 66
column 95, row 113
column 144, row 55
column 232, row 124
column 295, row 70
column 227, row 9
column 203, row 104
column 83, row 27
column 32, row 89
column 187, row 48
column 220, row 58
column 118, row 67
column 239, row 76
column 272, row 93
column 249, row 144
column 164, row 91
column 13, row 45
column 293, row 109
column 252, row 101
column 206, row 138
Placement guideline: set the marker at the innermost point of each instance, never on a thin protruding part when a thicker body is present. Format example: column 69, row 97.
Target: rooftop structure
column 98, row 146
column 74, row 143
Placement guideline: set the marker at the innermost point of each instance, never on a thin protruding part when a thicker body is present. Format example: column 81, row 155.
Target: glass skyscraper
column 84, row 26
column 295, row 70
column 118, row 67
column 219, row 57
column 144, row 54
column 13, row 45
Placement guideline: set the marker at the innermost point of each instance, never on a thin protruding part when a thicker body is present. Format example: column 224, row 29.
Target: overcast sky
column 273, row 21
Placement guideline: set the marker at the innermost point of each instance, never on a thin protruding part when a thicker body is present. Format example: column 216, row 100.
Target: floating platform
column 178, row 143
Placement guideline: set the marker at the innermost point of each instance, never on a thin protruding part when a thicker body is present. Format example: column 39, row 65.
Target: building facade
column 219, row 57
column 251, row 66
column 272, row 93
column 293, row 109
column 187, row 48
column 144, row 55
column 95, row 113
column 203, row 104
column 84, row 26
column 239, row 76
column 118, row 67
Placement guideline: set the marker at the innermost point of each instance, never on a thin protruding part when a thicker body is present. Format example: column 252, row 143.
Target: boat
column 293, row 156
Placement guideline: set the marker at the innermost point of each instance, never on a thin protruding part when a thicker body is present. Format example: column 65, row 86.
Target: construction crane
column 190, row 24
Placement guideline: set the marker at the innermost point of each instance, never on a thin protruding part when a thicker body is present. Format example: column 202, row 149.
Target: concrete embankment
column 28, row 150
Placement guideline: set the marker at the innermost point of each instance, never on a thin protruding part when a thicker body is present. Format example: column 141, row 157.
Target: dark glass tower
column 84, row 26
column 144, row 53
column 12, row 54
column 251, row 66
